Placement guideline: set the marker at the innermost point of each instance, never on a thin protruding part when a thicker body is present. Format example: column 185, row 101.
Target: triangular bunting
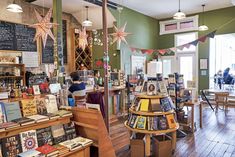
column 162, row 51
column 173, row 49
column 181, row 47
column 195, row 42
column 133, row 49
column 202, row 39
column 212, row 34
column 147, row 51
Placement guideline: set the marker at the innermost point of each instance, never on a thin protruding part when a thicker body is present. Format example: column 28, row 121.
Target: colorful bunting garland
column 174, row 49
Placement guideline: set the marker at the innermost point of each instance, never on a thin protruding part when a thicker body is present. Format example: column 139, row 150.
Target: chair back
column 221, row 97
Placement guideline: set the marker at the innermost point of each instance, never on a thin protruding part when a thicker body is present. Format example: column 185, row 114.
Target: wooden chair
column 221, row 98
column 231, row 104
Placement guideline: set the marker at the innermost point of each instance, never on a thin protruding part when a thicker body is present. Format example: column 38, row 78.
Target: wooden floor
column 215, row 139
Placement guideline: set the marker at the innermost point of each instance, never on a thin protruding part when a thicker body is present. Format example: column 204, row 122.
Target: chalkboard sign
column 17, row 37
column 48, row 51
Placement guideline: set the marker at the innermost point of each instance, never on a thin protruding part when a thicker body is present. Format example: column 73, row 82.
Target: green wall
column 213, row 19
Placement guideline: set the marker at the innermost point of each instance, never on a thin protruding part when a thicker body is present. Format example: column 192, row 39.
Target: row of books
column 28, row 140
column 28, row 111
column 153, row 105
column 152, row 122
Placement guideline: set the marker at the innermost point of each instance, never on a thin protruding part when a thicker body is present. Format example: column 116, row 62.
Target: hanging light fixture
column 179, row 15
column 203, row 27
column 14, row 8
column 86, row 23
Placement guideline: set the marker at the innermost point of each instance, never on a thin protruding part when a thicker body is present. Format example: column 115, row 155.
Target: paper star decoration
column 120, row 34
column 43, row 27
column 82, row 40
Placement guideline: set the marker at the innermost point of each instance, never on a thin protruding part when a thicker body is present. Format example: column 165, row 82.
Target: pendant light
column 15, row 8
column 179, row 15
column 203, row 27
column 86, row 23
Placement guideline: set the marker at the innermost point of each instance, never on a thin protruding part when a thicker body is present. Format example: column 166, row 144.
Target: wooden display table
column 82, row 152
column 148, row 133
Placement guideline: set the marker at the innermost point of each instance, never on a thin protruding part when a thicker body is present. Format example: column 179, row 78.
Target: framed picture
column 204, row 64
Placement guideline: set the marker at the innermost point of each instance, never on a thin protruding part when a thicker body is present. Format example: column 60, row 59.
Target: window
column 186, row 38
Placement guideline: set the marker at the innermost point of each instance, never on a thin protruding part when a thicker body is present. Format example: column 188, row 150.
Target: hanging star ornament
column 43, row 27
column 82, row 39
column 120, row 34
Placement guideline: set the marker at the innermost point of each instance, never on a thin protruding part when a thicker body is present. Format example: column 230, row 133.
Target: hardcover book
column 36, row 90
column 70, row 131
column 51, row 104
column 62, row 149
column 28, row 107
column 44, row 136
column 2, row 113
column 9, row 125
column 12, row 110
column 63, row 113
column 162, row 123
column 38, row 118
column 52, row 116
column 144, row 106
column 171, row 79
column 141, row 122
column 83, row 141
column 11, row 146
column 47, row 150
column 152, row 88
column 132, row 121
column 155, row 105
column 171, row 121
column 71, row 145
column 24, row 121
column 58, row 133
column 165, row 105
column 28, row 140
column 31, row 153
column 155, row 123
column 162, row 87
column 41, row 106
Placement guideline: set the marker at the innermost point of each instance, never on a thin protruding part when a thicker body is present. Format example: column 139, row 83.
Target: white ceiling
column 77, row 9
column 166, row 8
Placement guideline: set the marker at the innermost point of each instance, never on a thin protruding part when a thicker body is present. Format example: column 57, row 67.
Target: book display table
column 152, row 116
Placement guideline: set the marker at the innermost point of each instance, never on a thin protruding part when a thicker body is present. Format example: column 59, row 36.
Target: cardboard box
column 162, row 146
column 137, row 145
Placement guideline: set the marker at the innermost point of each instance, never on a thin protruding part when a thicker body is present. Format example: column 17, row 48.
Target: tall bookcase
column 152, row 114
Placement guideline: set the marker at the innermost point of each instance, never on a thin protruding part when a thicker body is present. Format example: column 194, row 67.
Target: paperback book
column 12, row 110
column 24, row 121
column 28, row 140
column 70, row 131
column 11, row 146
column 2, row 113
column 44, row 136
column 141, row 122
column 28, row 107
column 41, row 106
column 39, row 118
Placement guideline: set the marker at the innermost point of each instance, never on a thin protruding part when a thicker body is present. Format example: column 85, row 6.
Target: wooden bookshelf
column 151, row 113
column 144, row 96
column 17, row 130
column 81, row 152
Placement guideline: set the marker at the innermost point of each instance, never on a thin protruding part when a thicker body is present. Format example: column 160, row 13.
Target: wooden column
column 106, row 58
column 58, row 33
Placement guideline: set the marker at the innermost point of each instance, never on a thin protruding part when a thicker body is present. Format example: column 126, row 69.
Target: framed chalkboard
column 48, row 51
column 17, row 37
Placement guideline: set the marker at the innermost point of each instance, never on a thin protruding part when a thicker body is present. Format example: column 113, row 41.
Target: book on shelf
column 8, row 125
column 28, row 107
column 28, row 140
column 137, row 108
column 58, row 133
column 36, row 90
column 165, row 104
column 62, row 149
column 48, row 150
column 162, row 123
column 152, row 88
column 144, row 106
column 12, row 110
column 63, row 113
column 133, row 121
column 11, row 146
column 39, row 118
column 83, row 141
column 155, row 123
column 31, row 153
column 41, row 106
column 44, row 136
column 162, row 87
column 70, row 131
column 71, row 145
column 2, row 113
column 171, row 103
column 155, row 105
column 24, row 121
column 141, row 122
column 51, row 103
column 171, row 79
column 52, row 116
column 171, row 121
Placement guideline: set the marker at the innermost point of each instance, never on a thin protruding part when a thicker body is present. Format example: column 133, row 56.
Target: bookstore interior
column 117, row 78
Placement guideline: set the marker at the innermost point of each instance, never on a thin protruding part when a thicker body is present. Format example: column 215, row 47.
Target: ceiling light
column 14, row 8
column 86, row 23
column 203, row 27
column 179, row 15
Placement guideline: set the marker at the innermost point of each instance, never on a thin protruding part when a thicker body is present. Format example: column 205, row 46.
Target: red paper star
column 120, row 34
column 43, row 27
column 82, row 39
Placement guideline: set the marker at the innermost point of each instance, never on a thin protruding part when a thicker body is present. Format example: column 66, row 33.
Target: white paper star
column 82, row 39
column 120, row 34
column 43, row 27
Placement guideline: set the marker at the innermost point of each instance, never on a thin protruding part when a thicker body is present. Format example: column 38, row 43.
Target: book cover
column 132, row 121
column 41, row 106
column 144, row 106
column 52, row 116
column 51, row 104
column 58, row 133
column 39, row 118
column 83, row 141
column 62, row 149
column 11, row 146
column 24, row 121
column 31, row 153
column 155, row 123
column 44, row 136
column 171, row 103
column 28, row 107
column 28, row 140
column 36, row 90
column 71, row 145
column 70, row 131
column 171, row 79
column 162, row 87
column 152, row 88
column 8, row 125
column 171, row 121
column 47, row 149
column 155, row 105
column 165, row 105
column 141, row 122
column 63, row 113
column 12, row 110
column 2, row 113
column 162, row 123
